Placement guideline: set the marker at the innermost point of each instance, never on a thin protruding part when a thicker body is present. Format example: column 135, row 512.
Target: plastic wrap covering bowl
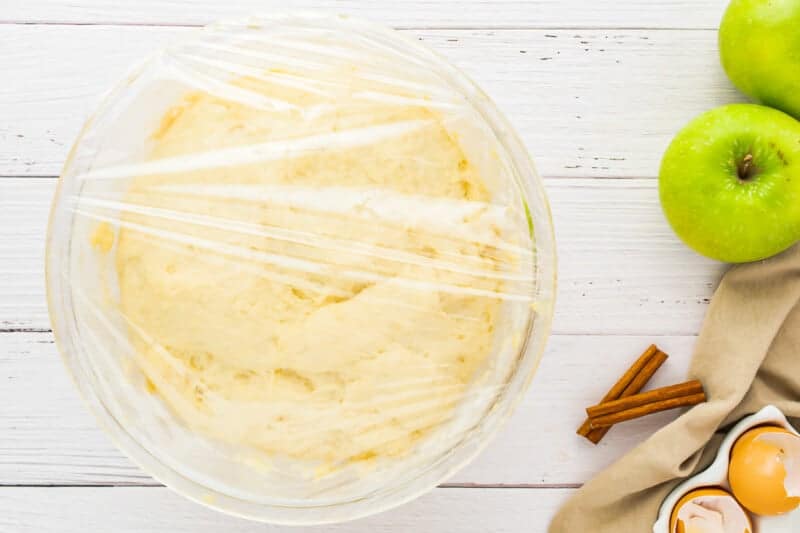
column 300, row 268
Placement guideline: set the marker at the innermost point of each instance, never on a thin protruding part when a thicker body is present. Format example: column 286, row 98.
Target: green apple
column 759, row 42
column 730, row 183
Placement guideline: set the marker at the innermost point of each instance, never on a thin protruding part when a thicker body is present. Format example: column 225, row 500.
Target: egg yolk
column 764, row 471
column 709, row 510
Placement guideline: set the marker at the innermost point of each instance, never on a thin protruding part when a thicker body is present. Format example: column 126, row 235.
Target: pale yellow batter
column 326, row 296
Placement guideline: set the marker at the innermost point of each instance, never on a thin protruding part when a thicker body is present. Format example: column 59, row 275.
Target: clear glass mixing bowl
column 198, row 193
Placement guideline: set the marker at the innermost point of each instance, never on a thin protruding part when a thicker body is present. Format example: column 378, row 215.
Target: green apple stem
column 746, row 169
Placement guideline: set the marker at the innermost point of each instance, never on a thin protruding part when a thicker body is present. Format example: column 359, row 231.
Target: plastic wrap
column 300, row 267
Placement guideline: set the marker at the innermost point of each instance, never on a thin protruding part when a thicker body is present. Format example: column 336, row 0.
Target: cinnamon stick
column 596, row 434
column 648, row 409
column 623, row 385
column 644, row 399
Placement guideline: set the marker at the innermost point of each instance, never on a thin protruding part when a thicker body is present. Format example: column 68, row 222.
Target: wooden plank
column 24, row 207
column 621, row 269
column 409, row 13
column 50, row 438
column 158, row 510
column 587, row 103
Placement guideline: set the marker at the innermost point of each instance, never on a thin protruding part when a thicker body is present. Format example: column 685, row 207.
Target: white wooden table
column 596, row 89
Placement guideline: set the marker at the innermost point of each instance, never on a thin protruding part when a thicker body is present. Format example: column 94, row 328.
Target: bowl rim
column 470, row 445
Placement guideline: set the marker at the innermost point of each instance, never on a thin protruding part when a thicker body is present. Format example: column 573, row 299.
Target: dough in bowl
column 315, row 277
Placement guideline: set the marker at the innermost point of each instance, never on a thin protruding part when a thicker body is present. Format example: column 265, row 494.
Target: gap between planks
column 422, row 27
column 548, row 177
column 9, row 331
column 154, row 484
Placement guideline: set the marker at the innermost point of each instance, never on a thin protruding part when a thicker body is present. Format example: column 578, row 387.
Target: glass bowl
column 340, row 165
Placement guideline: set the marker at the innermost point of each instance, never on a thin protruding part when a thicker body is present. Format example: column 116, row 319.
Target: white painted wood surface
column 48, row 437
column 156, row 510
column 621, row 269
column 596, row 89
column 587, row 103
column 401, row 13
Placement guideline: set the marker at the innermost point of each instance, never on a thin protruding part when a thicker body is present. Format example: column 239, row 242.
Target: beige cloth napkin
column 747, row 356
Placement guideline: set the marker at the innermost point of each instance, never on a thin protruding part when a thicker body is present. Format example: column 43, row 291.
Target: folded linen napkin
column 747, row 356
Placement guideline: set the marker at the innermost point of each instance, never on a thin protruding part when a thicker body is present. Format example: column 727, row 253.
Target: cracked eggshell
column 709, row 510
column 764, row 471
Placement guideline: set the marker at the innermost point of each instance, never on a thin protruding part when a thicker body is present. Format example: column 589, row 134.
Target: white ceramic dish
column 716, row 475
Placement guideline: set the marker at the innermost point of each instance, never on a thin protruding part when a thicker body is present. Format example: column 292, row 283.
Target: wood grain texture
column 587, row 103
column 157, row 510
column 405, row 13
column 596, row 90
column 50, row 437
column 621, row 268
